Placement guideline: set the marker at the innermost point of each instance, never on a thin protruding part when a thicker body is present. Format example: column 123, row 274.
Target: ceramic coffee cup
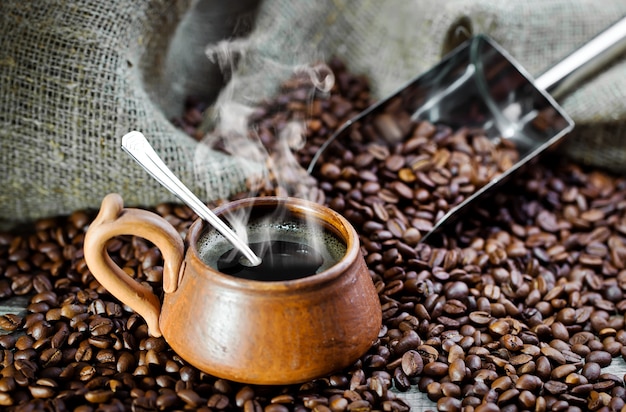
column 280, row 331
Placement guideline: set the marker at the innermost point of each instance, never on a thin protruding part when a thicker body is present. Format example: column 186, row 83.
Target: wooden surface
column 16, row 305
column 417, row 400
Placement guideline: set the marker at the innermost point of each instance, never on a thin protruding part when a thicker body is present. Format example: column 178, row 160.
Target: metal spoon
column 138, row 147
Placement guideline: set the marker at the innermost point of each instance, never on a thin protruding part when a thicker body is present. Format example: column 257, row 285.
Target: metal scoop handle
column 138, row 147
column 585, row 61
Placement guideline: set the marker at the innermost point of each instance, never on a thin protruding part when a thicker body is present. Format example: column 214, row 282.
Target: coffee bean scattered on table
column 518, row 306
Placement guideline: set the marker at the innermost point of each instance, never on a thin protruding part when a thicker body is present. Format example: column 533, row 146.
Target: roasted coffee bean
column 410, row 341
column 412, row 363
column 480, row 317
column 38, row 391
column 9, row 341
column 529, row 382
column 563, row 370
column 166, row 401
column 457, row 371
column 553, row 354
column 99, row 396
column 11, row 322
column 591, row 371
column 436, row 369
column 600, row 357
column 511, row 342
column 502, row 384
column 449, row 404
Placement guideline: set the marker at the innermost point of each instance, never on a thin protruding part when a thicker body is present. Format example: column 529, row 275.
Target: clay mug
column 245, row 330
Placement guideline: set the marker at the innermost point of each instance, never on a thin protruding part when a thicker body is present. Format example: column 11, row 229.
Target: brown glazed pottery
column 258, row 332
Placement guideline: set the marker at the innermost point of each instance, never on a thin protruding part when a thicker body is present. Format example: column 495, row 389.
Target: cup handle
column 115, row 220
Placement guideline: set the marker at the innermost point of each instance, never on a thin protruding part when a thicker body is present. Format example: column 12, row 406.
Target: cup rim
column 345, row 230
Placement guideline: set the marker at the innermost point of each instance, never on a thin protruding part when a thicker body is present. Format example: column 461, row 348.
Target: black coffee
column 288, row 250
column 281, row 260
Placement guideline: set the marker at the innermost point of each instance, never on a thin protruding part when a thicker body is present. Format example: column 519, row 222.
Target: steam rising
column 276, row 169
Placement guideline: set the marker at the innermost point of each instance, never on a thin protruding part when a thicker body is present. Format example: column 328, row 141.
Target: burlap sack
column 76, row 75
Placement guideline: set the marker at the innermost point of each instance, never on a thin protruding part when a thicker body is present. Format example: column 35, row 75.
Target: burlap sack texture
column 393, row 41
column 75, row 76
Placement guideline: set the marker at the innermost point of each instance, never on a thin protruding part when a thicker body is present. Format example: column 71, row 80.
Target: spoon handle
column 138, row 147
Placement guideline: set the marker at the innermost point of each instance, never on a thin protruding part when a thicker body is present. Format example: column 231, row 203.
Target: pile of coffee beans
column 518, row 306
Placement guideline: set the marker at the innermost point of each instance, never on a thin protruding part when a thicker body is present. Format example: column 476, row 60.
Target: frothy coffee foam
column 212, row 244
